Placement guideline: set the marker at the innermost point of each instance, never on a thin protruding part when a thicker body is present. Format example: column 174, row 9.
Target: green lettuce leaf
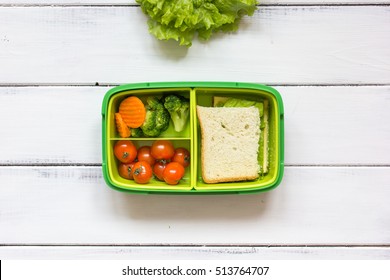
column 237, row 102
column 181, row 20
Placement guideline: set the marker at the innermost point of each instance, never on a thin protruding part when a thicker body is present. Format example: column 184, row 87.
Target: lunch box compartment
column 205, row 97
column 154, row 184
column 143, row 94
column 199, row 93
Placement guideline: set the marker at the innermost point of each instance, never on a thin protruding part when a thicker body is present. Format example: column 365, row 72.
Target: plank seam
column 75, row 5
column 106, row 85
column 151, row 245
column 100, row 165
column 50, row 165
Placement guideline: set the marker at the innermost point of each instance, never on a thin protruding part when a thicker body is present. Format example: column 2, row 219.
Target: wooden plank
column 133, row 2
column 54, row 125
column 336, row 125
column 297, row 45
column 194, row 253
column 323, row 125
column 313, row 205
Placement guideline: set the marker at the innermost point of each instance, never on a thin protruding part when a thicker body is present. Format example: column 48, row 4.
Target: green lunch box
column 199, row 93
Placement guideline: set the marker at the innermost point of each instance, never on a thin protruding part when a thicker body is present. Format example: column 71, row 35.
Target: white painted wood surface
column 349, row 123
column 313, row 205
column 133, row 2
column 194, row 253
column 334, row 197
column 278, row 45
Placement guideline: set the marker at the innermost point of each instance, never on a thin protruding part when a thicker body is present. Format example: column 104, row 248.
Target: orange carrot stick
column 121, row 126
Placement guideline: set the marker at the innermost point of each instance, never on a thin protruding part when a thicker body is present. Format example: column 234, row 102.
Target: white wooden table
column 330, row 60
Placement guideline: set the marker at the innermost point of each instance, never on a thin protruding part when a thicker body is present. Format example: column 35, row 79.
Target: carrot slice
column 121, row 126
column 133, row 111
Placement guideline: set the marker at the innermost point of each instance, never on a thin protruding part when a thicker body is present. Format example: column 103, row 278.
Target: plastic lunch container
column 199, row 93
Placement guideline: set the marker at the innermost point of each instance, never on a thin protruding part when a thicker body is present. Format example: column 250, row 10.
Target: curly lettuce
column 181, row 20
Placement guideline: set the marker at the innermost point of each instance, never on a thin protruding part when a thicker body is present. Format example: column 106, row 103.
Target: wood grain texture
column 54, row 125
column 194, row 253
column 133, row 2
column 283, row 45
column 323, row 125
column 72, row 205
column 54, row 203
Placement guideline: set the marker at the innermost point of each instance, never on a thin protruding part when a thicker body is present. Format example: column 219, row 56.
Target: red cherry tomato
column 125, row 151
column 182, row 156
column 162, row 149
column 142, row 172
column 125, row 170
column 145, row 155
column 158, row 169
column 173, row 173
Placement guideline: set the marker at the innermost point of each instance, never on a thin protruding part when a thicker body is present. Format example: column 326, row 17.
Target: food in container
column 188, row 135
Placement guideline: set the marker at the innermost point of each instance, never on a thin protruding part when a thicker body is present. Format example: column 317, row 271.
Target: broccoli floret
column 136, row 132
column 157, row 118
column 179, row 110
column 153, row 102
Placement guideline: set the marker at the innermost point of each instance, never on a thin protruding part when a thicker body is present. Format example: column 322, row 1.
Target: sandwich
column 263, row 106
column 230, row 143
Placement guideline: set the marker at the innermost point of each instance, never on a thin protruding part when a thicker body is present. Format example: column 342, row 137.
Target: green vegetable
column 157, row 118
column 182, row 19
column 236, row 102
column 136, row 132
column 179, row 110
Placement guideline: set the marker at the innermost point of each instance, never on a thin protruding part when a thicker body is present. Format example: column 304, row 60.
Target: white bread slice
column 230, row 143
column 218, row 101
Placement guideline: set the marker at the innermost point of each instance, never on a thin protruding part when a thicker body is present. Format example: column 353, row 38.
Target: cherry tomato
column 182, row 156
column 162, row 149
column 125, row 170
column 125, row 151
column 142, row 172
column 173, row 173
column 145, row 155
column 158, row 169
